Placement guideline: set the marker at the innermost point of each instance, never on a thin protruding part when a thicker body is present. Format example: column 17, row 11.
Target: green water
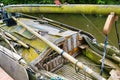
column 90, row 23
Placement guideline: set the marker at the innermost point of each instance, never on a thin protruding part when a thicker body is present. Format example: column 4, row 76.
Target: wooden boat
column 40, row 48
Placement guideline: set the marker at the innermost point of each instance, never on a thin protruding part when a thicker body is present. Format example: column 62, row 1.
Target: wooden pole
column 13, row 37
column 64, row 54
column 109, row 22
column 17, row 40
column 7, row 41
column 69, row 8
column 12, row 55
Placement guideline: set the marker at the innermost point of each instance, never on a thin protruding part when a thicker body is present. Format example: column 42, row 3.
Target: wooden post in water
column 61, row 52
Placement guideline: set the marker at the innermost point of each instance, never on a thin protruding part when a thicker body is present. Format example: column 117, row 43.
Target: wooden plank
column 71, row 8
column 4, row 75
column 115, row 75
column 11, row 66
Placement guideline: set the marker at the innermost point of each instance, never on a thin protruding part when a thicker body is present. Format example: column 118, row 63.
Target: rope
column 104, row 53
column 56, row 78
column 76, row 69
column 62, row 53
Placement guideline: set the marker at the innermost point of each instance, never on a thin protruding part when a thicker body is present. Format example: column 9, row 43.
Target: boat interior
column 45, row 63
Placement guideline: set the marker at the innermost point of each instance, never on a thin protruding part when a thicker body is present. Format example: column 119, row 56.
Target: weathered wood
column 115, row 75
column 8, row 61
column 69, row 8
column 12, row 55
column 8, row 42
column 109, row 65
column 17, row 40
column 4, row 75
column 64, row 54
column 109, row 22
column 51, row 75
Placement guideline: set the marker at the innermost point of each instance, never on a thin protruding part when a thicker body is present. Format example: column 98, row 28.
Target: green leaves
column 6, row 2
column 101, row 1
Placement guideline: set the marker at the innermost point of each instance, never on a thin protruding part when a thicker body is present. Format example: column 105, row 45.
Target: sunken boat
column 33, row 48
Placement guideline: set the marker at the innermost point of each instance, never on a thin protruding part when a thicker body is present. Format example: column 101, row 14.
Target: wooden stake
column 109, row 22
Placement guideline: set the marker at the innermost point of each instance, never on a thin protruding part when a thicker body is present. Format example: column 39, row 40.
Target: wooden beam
column 63, row 8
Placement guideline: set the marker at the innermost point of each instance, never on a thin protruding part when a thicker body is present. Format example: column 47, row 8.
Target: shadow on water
column 90, row 23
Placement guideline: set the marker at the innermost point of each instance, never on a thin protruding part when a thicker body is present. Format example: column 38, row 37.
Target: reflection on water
column 91, row 23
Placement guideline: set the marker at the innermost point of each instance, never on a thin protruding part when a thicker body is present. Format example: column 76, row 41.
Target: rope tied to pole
column 62, row 53
column 104, row 53
column 107, row 27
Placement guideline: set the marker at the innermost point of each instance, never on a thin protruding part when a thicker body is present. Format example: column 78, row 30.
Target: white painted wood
column 11, row 66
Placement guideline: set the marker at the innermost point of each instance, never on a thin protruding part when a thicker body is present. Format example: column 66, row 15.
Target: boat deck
column 68, row 70
column 4, row 75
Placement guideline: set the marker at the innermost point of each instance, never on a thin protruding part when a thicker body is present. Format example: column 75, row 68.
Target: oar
column 61, row 52
column 12, row 54
column 17, row 40
column 13, row 37
column 7, row 41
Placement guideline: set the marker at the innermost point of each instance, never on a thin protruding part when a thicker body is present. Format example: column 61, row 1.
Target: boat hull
column 12, row 67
